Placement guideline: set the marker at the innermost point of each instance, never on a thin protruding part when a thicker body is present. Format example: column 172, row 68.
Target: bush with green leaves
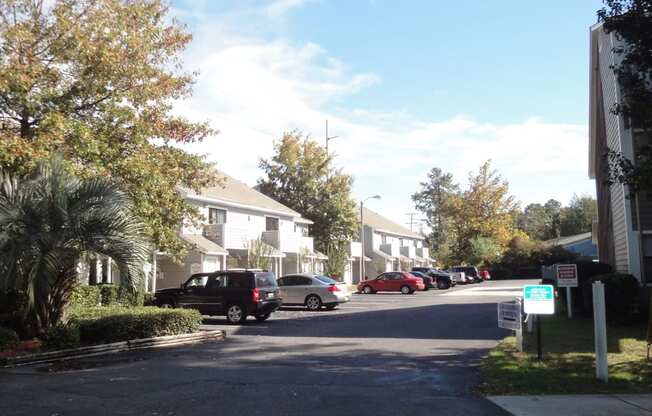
column 8, row 338
column 113, row 324
column 61, row 337
column 90, row 296
column 621, row 293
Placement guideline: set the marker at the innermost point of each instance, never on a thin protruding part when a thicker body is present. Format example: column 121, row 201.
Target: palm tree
column 49, row 221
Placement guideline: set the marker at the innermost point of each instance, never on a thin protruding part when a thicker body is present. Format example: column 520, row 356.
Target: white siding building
column 235, row 217
column 617, row 233
column 391, row 246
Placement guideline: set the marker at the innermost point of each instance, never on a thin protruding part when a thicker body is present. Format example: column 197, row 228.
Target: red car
column 402, row 282
column 484, row 274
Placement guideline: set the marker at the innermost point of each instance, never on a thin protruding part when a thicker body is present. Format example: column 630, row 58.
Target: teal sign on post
column 539, row 299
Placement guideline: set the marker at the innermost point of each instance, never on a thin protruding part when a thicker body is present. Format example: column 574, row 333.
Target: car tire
column 441, row 285
column 166, row 304
column 235, row 314
column 262, row 318
column 406, row 290
column 313, row 303
column 331, row 306
column 367, row 290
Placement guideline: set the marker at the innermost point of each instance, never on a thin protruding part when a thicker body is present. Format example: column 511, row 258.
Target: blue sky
column 406, row 85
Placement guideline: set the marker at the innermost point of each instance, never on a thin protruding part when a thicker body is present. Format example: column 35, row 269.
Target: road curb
column 113, row 348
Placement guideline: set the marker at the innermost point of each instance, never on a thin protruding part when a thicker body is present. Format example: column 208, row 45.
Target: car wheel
column 235, row 314
column 367, row 290
column 262, row 318
column 443, row 285
column 331, row 306
column 166, row 304
column 313, row 303
column 406, row 290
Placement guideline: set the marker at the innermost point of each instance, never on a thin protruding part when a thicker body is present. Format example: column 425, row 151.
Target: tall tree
column 431, row 200
column 534, row 221
column 631, row 22
column 301, row 175
column 553, row 210
column 578, row 217
column 95, row 80
column 485, row 210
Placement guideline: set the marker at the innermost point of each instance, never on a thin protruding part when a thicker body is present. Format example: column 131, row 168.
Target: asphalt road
column 383, row 354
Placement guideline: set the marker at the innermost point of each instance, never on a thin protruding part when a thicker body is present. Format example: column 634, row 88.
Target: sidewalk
column 577, row 405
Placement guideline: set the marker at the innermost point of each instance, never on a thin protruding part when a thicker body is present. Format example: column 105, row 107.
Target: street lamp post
column 362, row 235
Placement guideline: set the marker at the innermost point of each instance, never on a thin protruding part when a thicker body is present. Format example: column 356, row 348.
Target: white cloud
column 253, row 87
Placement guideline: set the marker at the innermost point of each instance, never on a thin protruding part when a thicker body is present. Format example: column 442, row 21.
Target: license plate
column 270, row 296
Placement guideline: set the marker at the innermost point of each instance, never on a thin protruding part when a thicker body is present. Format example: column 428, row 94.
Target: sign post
column 539, row 300
column 509, row 317
column 567, row 277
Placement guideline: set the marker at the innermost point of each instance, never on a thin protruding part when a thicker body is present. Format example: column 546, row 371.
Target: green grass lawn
column 568, row 366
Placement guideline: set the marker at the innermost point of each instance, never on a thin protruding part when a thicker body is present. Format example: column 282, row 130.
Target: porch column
column 109, row 270
column 280, row 266
column 154, row 269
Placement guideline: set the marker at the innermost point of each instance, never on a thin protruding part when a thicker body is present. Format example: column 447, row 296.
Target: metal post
column 569, row 303
column 361, row 242
column 600, row 328
column 519, row 331
column 539, row 349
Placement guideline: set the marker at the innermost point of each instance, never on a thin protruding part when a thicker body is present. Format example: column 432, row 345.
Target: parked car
column 402, row 282
column 471, row 273
column 459, row 277
column 441, row 279
column 233, row 293
column 313, row 291
column 484, row 274
column 427, row 280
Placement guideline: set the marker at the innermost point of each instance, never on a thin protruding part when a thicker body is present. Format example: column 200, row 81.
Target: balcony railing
column 355, row 249
column 288, row 242
column 390, row 249
column 409, row 251
column 227, row 236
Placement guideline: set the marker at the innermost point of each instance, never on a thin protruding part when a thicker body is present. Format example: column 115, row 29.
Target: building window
column 271, row 224
column 216, row 216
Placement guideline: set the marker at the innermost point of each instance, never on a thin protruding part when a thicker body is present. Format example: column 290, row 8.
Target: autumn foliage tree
column 95, row 81
column 300, row 175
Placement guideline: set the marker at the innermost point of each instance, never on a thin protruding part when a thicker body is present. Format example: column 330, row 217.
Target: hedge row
column 90, row 296
column 100, row 325
column 8, row 338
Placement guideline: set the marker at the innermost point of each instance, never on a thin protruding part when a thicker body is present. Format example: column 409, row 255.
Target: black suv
column 441, row 279
column 235, row 294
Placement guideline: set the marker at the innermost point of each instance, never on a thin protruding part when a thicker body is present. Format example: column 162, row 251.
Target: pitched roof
column 237, row 192
column 571, row 239
column 380, row 223
column 203, row 244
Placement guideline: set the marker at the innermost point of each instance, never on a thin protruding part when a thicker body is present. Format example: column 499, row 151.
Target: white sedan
column 313, row 291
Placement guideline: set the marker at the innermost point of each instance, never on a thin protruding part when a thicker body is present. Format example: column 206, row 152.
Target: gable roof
column 237, row 193
column 382, row 224
column 571, row 239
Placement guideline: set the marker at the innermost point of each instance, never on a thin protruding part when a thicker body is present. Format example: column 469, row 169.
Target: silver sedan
column 313, row 291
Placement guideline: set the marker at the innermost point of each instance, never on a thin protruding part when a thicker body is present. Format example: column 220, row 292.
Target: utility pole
column 412, row 221
column 329, row 138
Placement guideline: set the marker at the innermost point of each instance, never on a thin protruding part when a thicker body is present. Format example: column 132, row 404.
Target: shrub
column 498, row 273
column 90, row 296
column 86, row 296
column 621, row 293
column 12, row 306
column 114, row 324
column 8, row 338
column 62, row 337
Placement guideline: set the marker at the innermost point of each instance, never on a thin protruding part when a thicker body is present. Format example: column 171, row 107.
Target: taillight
column 256, row 295
column 333, row 288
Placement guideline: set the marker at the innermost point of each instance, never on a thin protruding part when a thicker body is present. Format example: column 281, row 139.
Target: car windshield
column 265, row 279
column 326, row 280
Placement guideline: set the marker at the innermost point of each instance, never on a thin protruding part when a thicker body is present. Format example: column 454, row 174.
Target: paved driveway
column 383, row 354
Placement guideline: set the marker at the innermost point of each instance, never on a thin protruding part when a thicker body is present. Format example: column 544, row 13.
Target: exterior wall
column 624, row 239
column 171, row 274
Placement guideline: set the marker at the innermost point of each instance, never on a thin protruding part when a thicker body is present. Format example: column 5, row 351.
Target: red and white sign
column 567, row 275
